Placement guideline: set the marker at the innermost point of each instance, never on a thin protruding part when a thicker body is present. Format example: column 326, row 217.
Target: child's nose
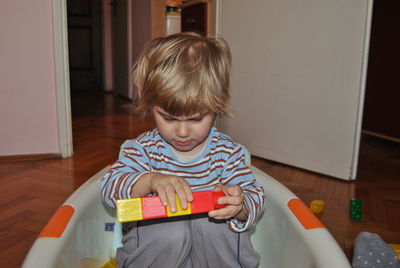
column 183, row 130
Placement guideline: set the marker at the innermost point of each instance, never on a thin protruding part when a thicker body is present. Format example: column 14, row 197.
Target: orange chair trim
column 304, row 214
column 57, row 224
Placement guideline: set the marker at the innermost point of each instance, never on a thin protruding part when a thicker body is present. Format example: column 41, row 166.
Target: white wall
column 28, row 115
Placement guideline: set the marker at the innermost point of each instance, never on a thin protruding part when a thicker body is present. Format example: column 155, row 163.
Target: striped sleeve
column 132, row 163
column 236, row 172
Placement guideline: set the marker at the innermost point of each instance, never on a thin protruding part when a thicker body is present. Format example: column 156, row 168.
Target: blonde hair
column 184, row 74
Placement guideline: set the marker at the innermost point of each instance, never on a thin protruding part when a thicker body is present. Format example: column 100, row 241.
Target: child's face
column 185, row 134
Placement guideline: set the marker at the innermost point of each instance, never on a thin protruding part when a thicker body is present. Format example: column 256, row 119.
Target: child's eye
column 168, row 119
column 197, row 120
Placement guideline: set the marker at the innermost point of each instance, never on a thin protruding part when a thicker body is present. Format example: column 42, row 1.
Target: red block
column 205, row 201
column 202, row 202
column 215, row 196
column 152, row 208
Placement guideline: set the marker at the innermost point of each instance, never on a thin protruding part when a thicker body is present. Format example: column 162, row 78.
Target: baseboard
column 371, row 133
column 28, row 157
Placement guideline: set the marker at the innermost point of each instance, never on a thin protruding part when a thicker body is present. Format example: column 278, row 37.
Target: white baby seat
column 288, row 235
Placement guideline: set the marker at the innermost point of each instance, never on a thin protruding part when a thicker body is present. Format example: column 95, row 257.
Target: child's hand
column 166, row 186
column 233, row 201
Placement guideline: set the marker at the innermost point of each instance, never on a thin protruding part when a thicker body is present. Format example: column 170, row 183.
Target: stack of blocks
column 142, row 208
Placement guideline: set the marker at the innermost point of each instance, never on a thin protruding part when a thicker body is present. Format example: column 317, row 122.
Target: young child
column 183, row 79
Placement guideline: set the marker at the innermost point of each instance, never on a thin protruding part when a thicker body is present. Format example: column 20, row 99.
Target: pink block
column 152, row 208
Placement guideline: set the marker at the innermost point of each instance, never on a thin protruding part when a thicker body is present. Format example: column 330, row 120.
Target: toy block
column 179, row 210
column 317, row 206
column 202, row 202
column 355, row 209
column 110, row 264
column 396, row 249
column 153, row 208
column 215, row 196
column 129, row 209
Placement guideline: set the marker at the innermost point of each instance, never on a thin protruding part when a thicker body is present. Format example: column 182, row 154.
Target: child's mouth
column 183, row 143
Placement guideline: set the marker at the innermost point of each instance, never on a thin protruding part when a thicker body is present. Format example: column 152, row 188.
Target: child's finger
column 218, row 188
column 234, row 190
column 180, row 191
column 223, row 213
column 188, row 192
column 163, row 196
column 170, row 192
column 231, row 200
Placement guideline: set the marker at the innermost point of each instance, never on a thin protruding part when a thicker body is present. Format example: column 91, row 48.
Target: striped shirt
column 222, row 162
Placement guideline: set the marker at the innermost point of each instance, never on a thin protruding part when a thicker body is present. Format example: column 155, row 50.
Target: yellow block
column 179, row 210
column 129, row 210
column 110, row 264
column 317, row 206
column 396, row 248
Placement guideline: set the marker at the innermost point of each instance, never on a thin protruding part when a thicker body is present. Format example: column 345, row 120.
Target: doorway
column 100, row 62
column 381, row 108
column 85, row 45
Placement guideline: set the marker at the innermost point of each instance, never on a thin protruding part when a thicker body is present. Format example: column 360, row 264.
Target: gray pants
column 189, row 241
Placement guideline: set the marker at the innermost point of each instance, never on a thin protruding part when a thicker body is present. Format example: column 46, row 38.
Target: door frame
column 363, row 86
column 62, row 77
column 61, row 64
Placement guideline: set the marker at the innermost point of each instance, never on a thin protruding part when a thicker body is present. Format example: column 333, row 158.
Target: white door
column 298, row 79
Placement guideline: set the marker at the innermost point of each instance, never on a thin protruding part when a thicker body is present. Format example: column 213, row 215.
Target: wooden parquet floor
column 377, row 185
column 31, row 191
